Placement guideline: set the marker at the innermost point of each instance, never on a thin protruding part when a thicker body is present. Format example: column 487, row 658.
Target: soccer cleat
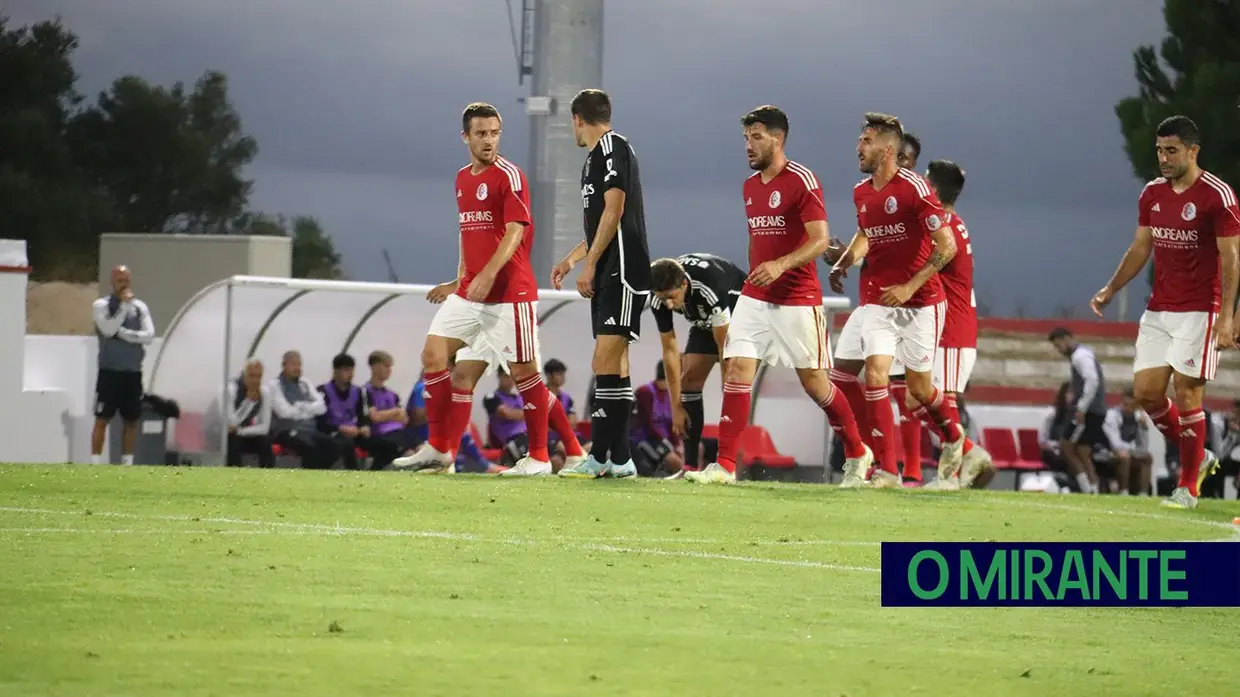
column 941, row 484
column 680, row 474
column 624, row 471
column 949, row 459
column 974, row 464
column 885, row 480
column 573, row 461
column 1180, row 498
column 1209, row 465
column 589, row 469
column 912, row 484
column 426, row 460
column 714, row 473
column 528, row 467
column 856, row 469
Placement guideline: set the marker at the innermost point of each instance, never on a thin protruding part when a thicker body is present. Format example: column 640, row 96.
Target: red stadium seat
column 757, row 448
column 1001, row 442
column 1030, row 448
column 927, row 448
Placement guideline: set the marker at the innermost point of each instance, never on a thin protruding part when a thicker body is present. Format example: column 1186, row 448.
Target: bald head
column 120, row 278
column 291, row 365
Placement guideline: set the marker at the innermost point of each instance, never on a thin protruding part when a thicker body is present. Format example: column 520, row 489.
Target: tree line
column 138, row 158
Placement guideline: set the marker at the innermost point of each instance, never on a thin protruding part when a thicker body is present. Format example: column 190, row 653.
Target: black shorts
column 615, row 310
column 1089, row 432
column 702, row 341
column 118, row 392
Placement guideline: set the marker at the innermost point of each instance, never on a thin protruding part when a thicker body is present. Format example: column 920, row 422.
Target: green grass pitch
column 195, row 582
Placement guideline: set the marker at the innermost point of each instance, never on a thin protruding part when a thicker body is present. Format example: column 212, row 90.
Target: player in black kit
column 703, row 288
column 614, row 275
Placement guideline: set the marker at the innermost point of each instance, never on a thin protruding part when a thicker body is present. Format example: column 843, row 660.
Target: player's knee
column 521, row 371
column 434, row 355
column 739, row 371
column 463, row 380
column 874, row 377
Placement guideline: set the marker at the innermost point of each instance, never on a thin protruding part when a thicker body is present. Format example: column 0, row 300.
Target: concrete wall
column 169, row 269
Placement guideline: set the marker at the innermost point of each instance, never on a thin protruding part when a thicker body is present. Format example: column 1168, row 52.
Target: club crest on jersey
column 1189, row 212
column 482, row 191
column 775, row 199
column 890, row 206
column 934, row 223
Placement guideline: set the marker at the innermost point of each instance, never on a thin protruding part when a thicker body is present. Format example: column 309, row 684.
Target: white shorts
column 849, row 347
column 790, row 335
column 1183, row 340
column 909, row 334
column 500, row 332
column 952, row 368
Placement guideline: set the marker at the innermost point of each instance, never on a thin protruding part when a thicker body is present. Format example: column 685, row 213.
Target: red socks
column 1167, row 420
column 438, row 400
column 558, row 420
column 458, row 419
column 882, row 426
column 1192, row 448
column 851, row 387
column 910, row 432
column 942, row 411
column 735, row 418
column 537, row 414
column 840, row 416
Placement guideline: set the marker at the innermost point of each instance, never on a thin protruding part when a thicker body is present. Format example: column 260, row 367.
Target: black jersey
column 613, row 165
column 714, row 285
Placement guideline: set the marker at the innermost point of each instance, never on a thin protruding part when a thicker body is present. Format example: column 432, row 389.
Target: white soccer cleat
column 680, row 474
column 571, row 461
column 714, row 473
column 855, row 469
column 528, row 467
column 950, row 458
column 426, row 460
column 943, row 484
column 974, row 464
column 886, row 480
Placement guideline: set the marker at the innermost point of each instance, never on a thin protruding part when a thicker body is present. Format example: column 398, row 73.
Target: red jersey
column 486, row 203
column 960, row 324
column 897, row 221
column 1186, row 228
column 778, row 212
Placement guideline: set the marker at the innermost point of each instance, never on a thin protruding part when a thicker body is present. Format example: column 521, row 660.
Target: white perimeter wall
column 67, row 363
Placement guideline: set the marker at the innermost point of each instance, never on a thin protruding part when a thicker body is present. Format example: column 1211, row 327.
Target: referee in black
column 615, row 275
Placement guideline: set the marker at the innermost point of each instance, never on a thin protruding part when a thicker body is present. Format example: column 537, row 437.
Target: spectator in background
column 651, row 435
column 123, row 326
column 1089, row 389
column 382, row 408
column 249, row 419
column 297, row 405
column 417, row 427
column 1054, row 429
column 506, row 420
column 1226, row 445
column 1127, row 430
column 345, row 421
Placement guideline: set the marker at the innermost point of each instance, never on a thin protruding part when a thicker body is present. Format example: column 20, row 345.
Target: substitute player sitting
column 703, row 288
column 778, row 319
column 1189, row 220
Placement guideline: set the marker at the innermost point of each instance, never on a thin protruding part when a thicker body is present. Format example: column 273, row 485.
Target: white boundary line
column 279, row 527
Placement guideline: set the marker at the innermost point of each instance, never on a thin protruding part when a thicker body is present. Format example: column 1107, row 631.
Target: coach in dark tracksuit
column 123, row 326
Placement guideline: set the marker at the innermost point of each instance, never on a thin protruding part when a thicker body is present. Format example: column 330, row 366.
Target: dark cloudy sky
column 355, row 107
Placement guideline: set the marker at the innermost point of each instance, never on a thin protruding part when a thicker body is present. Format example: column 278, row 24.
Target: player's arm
column 855, row 252
column 107, row 324
column 816, row 240
column 671, row 351
column 1229, row 261
column 615, row 184
column 145, row 334
column 1088, row 369
column 1133, row 260
column 1110, row 426
column 944, row 251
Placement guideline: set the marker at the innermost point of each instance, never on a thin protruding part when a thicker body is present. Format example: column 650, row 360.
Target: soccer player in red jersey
column 492, row 306
column 1189, row 220
column 957, row 352
column 904, row 237
column 778, row 319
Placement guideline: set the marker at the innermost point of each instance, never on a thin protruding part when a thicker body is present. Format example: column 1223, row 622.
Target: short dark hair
column 1059, row 333
column 912, row 141
column 478, row 110
column 666, row 274
column 885, row 124
column 947, row 178
column 378, row 357
column 592, row 106
column 343, row 360
column 768, row 115
column 1181, row 127
column 553, row 366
